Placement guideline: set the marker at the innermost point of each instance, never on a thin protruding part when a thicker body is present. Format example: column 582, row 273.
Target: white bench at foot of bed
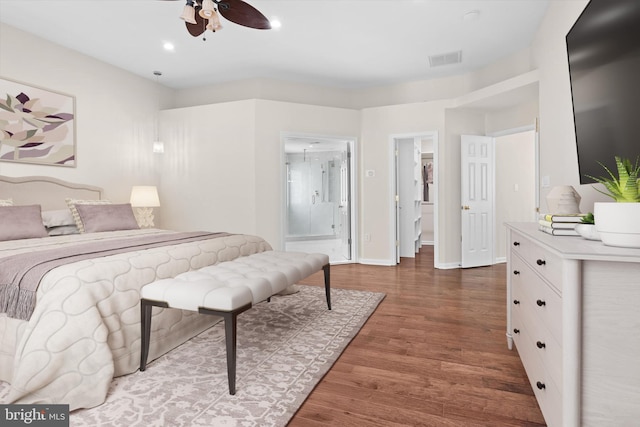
column 227, row 289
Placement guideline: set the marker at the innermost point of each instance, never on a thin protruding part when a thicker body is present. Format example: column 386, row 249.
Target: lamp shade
column 214, row 23
column 144, row 196
column 208, row 9
column 189, row 14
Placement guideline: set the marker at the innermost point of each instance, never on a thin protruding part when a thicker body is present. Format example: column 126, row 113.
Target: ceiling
column 337, row 43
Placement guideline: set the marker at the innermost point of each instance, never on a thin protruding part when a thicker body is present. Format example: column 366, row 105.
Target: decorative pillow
column 58, row 218
column 72, row 207
column 63, row 230
column 6, row 202
column 21, row 222
column 106, row 217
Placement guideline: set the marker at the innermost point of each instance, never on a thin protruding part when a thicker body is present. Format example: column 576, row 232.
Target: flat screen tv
column 603, row 48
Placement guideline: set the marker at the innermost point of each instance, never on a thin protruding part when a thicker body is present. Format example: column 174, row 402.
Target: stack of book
column 560, row 224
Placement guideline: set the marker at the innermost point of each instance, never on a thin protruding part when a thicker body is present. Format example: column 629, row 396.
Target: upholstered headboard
column 45, row 191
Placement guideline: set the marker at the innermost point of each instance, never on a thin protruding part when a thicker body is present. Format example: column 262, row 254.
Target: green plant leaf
column 624, row 188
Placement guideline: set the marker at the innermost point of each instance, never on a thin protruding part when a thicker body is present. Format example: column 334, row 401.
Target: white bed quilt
column 85, row 328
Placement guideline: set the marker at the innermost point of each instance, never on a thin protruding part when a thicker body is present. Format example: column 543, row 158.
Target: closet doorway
column 319, row 187
column 413, row 177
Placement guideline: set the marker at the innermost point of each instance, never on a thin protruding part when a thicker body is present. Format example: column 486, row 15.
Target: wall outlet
column 367, row 237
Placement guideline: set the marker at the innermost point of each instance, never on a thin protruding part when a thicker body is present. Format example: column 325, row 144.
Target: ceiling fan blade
column 243, row 14
column 198, row 28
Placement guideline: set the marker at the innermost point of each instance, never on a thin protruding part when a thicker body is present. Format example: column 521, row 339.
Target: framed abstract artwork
column 36, row 125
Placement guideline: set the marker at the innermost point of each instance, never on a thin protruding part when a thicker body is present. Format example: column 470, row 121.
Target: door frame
column 352, row 142
column 393, row 223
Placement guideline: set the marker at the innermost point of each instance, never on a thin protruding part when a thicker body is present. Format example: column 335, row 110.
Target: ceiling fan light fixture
column 189, row 14
column 214, row 22
column 208, row 9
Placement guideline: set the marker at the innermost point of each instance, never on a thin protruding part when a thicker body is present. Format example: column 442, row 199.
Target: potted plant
column 617, row 222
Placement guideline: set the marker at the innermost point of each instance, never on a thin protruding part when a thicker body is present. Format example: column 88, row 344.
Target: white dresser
column 573, row 311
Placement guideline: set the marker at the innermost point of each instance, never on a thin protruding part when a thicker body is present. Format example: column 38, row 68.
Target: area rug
column 284, row 348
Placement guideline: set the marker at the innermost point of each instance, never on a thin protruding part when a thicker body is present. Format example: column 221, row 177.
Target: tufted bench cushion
column 229, row 288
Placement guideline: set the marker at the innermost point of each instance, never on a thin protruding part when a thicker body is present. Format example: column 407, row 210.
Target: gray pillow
column 21, row 222
column 106, row 217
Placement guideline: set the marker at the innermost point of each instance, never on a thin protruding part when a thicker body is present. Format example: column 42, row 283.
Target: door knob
column 466, row 208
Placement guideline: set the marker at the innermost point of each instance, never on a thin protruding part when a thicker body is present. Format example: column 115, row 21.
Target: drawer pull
column 541, row 303
column 540, row 385
column 540, row 344
column 516, row 302
column 516, row 272
column 516, row 330
column 541, row 262
column 516, row 243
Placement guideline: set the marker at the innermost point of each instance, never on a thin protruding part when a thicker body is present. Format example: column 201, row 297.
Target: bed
column 83, row 328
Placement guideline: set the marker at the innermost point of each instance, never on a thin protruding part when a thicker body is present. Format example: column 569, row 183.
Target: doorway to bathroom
column 319, row 186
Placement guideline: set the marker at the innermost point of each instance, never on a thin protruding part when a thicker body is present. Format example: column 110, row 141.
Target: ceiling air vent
column 445, row 59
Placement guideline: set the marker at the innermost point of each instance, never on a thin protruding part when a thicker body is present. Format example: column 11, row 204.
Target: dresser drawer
column 542, row 301
column 520, row 245
column 543, row 343
column 542, row 382
column 548, row 265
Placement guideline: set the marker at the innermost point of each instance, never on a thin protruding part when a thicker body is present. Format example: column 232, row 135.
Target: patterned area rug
column 284, row 348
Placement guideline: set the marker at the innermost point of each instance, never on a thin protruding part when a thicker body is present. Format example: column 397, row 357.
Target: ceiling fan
column 202, row 15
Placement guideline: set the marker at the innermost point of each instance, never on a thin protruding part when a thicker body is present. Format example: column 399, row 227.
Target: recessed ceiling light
column 275, row 23
column 168, row 46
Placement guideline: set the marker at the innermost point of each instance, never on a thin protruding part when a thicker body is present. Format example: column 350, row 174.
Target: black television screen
column 603, row 48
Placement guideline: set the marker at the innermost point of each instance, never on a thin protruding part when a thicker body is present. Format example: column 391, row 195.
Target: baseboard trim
column 384, row 262
column 448, row 266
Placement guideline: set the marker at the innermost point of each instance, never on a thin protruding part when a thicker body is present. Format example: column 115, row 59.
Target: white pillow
column 76, row 216
column 63, row 230
column 6, row 202
column 58, row 218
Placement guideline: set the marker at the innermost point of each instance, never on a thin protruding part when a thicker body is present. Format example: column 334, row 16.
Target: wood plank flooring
column 433, row 354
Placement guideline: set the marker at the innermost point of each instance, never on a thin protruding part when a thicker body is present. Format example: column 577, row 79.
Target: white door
column 396, row 198
column 406, row 194
column 477, row 200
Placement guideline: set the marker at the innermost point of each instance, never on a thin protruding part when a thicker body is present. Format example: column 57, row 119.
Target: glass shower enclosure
column 318, row 199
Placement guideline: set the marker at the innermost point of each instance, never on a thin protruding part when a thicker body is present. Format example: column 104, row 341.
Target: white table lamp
column 144, row 198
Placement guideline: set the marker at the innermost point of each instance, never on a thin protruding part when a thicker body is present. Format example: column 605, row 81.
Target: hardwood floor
column 433, row 354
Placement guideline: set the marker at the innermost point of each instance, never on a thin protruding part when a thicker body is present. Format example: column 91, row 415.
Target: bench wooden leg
column 230, row 328
column 145, row 328
column 327, row 284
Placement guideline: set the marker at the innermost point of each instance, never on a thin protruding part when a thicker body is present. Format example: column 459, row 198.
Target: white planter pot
column 618, row 224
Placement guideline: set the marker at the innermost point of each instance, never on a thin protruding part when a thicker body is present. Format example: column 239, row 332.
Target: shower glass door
column 318, row 198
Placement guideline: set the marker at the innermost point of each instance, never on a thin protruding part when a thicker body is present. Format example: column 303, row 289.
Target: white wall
column 114, row 113
column 558, row 155
column 208, row 168
column 272, row 119
column 223, row 164
column 376, row 192
column 515, row 184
